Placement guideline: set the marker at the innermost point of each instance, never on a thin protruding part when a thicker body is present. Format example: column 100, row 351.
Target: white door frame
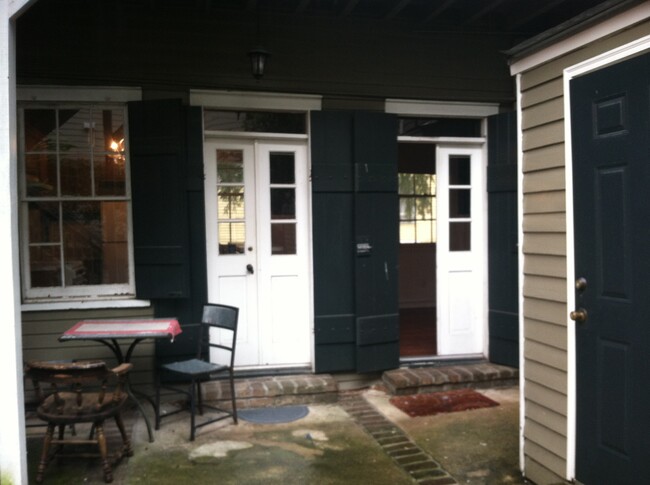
column 590, row 65
column 258, row 142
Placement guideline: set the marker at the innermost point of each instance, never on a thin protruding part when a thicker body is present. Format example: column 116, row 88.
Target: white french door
column 460, row 250
column 257, row 234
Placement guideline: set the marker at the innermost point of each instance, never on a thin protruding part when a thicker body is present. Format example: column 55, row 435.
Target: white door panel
column 460, row 250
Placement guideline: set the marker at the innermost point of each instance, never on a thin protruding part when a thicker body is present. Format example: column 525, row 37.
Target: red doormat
column 442, row 402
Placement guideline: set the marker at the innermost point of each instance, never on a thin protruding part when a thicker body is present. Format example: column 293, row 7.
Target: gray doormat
column 284, row 414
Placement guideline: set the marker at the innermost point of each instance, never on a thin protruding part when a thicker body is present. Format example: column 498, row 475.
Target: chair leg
column 103, row 451
column 47, row 441
column 156, row 407
column 200, row 395
column 127, row 449
column 233, row 397
column 192, row 409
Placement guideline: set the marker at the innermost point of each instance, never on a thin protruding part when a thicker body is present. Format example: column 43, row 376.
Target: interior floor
column 417, row 332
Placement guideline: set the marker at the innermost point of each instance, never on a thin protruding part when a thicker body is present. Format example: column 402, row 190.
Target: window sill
column 83, row 304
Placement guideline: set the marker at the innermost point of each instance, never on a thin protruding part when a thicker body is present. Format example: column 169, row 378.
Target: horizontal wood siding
column 41, row 331
column 544, row 246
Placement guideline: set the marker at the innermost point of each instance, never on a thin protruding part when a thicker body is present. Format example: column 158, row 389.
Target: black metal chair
column 79, row 393
column 200, row 370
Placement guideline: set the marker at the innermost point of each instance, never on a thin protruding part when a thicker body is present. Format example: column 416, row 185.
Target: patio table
column 111, row 332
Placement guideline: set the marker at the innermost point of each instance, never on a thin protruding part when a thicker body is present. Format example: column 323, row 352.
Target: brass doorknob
column 579, row 315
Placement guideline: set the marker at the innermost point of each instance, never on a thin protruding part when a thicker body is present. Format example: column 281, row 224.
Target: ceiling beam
column 492, row 5
column 397, row 9
column 251, row 4
column 349, row 7
column 438, row 11
column 302, row 6
column 545, row 7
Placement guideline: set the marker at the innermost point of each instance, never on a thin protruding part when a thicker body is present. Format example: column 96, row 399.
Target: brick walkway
column 395, row 443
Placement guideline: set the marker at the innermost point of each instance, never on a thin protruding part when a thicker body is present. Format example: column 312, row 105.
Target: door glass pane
column 460, row 236
column 459, row 203
column 230, row 166
column 459, row 170
column 231, row 237
column 283, row 238
column 230, row 202
column 283, row 203
column 231, row 211
column 282, row 168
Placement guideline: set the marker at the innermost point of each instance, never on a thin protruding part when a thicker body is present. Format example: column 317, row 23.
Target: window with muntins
column 75, row 201
column 417, row 208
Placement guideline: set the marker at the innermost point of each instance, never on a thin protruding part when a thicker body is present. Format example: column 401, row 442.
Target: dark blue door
column 611, row 179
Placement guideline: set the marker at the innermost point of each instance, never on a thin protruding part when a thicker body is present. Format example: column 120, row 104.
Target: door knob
column 249, row 269
column 579, row 315
column 581, row 284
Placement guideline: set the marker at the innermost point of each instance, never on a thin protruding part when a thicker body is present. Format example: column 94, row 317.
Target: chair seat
column 88, row 411
column 194, row 367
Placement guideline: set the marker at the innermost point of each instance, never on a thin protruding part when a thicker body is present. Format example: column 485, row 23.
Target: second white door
column 257, row 233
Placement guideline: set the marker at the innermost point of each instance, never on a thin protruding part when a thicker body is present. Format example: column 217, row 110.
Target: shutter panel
column 502, row 240
column 158, row 180
column 377, row 243
column 333, row 236
column 355, row 224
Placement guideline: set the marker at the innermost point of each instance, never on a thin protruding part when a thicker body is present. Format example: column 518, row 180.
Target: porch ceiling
column 516, row 18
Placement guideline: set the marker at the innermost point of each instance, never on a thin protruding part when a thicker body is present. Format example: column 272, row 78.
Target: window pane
column 406, row 208
column 44, row 222
column 425, row 231
column 75, row 174
column 283, row 203
column 459, row 203
column 282, row 168
column 94, row 243
column 231, row 237
column 40, row 175
column 407, row 232
column 257, row 121
column 110, row 174
column 424, row 207
column 75, row 129
column 230, row 204
column 422, row 184
column 108, row 130
column 406, row 184
column 40, row 130
column 460, row 236
column 230, row 166
column 45, row 266
column 459, row 171
column 283, row 239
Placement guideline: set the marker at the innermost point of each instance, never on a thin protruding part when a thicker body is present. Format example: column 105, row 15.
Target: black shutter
column 157, row 147
column 355, row 224
column 502, row 240
column 333, row 236
column 377, row 244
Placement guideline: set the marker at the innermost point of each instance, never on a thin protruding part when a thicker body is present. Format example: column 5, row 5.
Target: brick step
column 442, row 378
column 275, row 390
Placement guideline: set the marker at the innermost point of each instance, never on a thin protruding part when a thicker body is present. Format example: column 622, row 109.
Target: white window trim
column 243, row 100
column 590, row 65
column 111, row 296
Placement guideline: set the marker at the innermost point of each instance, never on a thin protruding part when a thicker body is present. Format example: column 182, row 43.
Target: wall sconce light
column 258, row 56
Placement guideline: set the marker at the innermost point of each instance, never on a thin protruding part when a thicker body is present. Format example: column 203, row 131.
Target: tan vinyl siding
column 41, row 331
column 544, row 266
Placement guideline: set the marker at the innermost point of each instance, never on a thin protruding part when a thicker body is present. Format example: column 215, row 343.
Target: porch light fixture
column 258, row 56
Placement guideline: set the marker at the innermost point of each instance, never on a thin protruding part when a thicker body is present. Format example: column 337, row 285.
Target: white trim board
column 255, row 100
column 581, row 39
column 603, row 60
column 448, row 109
column 95, row 94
